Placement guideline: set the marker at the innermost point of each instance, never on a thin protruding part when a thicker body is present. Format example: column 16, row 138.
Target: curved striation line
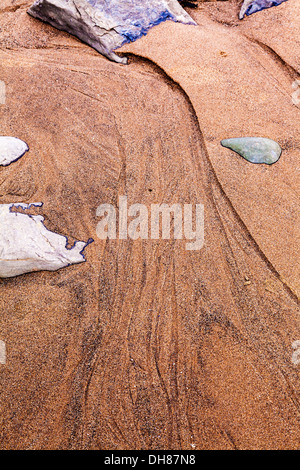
column 167, row 78
column 286, row 67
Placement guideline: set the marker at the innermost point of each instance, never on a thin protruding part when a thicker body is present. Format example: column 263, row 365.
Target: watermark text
column 183, row 221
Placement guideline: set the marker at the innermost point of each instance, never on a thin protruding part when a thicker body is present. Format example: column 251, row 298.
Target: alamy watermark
column 186, row 221
column 296, row 94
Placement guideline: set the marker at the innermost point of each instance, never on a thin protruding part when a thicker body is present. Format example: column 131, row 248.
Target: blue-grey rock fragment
column 252, row 6
column 108, row 24
column 255, row 149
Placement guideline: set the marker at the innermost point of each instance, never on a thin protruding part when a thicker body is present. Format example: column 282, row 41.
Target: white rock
column 11, row 149
column 26, row 245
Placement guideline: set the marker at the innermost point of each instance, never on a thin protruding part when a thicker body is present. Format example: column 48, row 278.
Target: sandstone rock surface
column 147, row 345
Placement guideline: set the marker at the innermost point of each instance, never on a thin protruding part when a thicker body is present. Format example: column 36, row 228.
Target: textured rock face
column 146, row 345
column 25, row 243
column 107, row 25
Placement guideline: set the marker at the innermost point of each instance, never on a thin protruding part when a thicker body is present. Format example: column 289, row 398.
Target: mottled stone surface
column 254, row 149
column 107, row 25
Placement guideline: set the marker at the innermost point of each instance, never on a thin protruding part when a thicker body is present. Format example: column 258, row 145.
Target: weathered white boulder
column 108, row 24
column 26, row 245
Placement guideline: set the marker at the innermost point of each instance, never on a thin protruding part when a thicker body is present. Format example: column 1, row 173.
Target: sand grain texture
column 147, row 345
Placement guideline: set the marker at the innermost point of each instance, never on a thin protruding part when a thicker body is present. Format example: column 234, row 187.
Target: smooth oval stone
column 255, row 149
column 11, row 149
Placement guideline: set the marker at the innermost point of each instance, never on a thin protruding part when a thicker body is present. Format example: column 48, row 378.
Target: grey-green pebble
column 255, row 149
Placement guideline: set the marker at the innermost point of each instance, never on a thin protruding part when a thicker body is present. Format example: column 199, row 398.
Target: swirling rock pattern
column 146, row 345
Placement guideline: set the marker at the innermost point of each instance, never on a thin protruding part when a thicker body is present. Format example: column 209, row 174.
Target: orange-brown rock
column 147, row 345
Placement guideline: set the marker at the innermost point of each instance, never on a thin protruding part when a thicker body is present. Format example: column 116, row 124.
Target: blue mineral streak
column 133, row 20
column 139, row 29
column 259, row 5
